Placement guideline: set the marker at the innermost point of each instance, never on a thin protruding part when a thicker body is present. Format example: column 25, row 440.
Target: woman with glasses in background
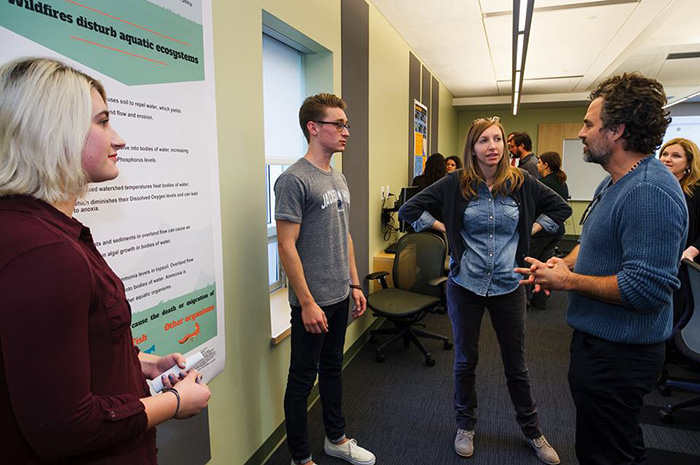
column 489, row 210
column 682, row 158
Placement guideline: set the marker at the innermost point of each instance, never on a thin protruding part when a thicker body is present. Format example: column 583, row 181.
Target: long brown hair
column 508, row 178
column 691, row 180
column 553, row 160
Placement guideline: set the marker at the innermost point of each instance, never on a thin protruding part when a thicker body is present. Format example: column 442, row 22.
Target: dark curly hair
column 637, row 102
column 522, row 138
column 456, row 159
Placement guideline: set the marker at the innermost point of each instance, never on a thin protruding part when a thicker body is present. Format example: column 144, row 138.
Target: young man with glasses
column 313, row 216
column 623, row 273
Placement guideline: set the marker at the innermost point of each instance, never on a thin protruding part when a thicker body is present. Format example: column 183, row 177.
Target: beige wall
column 527, row 119
column 448, row 126
column 246, row 406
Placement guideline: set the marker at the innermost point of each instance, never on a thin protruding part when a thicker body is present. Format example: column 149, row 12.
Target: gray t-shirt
column 320, row 202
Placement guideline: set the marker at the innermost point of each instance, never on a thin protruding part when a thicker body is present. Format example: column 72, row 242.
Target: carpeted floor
column 402, row 410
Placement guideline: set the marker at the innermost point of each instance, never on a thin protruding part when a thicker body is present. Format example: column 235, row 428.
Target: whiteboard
column 683, row 126
column 581, row 177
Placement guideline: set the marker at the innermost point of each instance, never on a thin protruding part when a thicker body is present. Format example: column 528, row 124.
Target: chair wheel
column 666, row 414
column 373, row 339
column 430, row 361
column 379, row 358
column 447, row 345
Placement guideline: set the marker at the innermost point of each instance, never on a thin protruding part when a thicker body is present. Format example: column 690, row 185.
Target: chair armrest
column 381, row 276
column 437, row 281
column 377, row 275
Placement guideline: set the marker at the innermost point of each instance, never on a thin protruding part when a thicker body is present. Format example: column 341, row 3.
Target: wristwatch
column 355, row 286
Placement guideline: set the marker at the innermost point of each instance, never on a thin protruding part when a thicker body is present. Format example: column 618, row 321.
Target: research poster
column 420, row 137
column 158, row 224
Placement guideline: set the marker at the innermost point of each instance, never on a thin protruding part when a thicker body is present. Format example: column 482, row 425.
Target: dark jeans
column 608, row 381
column 541, row 248
column 508, row 318
column 313, row 354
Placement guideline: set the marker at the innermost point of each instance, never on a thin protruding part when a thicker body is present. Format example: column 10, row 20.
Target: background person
column 543, row 244
column 435, row 169
column 489, row 209
column 72, row 385
column 682, row 158
column 520, row 146
column 453, row 163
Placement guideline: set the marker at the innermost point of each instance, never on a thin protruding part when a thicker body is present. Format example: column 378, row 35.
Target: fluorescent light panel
column 522, row 7
column 523, row 15
column 682, row 99
column 519, row 51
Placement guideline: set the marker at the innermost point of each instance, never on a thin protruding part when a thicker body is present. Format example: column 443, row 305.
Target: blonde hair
column 45, row 116
column 508, row 178
column 691, row 180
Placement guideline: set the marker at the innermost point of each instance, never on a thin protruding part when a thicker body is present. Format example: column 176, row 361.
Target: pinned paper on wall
column 420, row 137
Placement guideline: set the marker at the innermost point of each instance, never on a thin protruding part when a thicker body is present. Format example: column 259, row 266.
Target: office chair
column 419, row 281
column 687, row 341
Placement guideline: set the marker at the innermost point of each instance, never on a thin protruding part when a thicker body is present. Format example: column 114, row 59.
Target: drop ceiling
column 574, row 44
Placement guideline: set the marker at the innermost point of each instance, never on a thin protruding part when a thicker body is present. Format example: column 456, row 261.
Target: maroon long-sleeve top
column 70, row 378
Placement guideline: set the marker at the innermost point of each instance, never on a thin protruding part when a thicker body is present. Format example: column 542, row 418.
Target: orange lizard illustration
column 191, row 335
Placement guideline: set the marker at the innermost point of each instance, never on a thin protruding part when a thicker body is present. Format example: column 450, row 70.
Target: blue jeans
column 314, row 354
column 508, row 318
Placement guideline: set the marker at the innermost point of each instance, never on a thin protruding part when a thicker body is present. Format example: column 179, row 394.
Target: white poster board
column 158, row 224
column 581, row 177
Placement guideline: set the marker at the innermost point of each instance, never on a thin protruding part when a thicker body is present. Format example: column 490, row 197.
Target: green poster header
column 132, row 41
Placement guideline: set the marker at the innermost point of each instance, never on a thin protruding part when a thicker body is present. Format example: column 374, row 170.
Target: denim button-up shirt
column 490, row 235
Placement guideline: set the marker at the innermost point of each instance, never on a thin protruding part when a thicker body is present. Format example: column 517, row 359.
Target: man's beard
column 598, row 153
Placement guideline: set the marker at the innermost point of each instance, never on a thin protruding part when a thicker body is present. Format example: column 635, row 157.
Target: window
column 294, row 66
column 283, row 93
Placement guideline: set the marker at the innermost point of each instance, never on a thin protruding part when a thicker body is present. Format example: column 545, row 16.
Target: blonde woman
column 72, row 385
column 489, row 209
column 682, row 158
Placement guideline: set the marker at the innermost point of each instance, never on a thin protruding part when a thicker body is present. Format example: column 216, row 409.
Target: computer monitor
column 406, row 193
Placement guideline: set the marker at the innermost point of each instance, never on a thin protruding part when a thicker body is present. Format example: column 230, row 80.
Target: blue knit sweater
column 636, row 230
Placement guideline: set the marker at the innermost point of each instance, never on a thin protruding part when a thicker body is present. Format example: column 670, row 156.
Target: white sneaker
column 464, row 443
column 349, row 451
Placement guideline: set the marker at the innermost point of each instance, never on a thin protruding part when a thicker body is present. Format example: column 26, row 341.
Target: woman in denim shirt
column 489, row 210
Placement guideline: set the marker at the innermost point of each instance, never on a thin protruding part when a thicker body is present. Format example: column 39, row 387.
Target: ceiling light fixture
column 678, row 100
column 522, row 20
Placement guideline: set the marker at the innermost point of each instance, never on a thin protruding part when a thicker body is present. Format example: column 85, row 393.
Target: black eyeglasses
column 338, row 125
